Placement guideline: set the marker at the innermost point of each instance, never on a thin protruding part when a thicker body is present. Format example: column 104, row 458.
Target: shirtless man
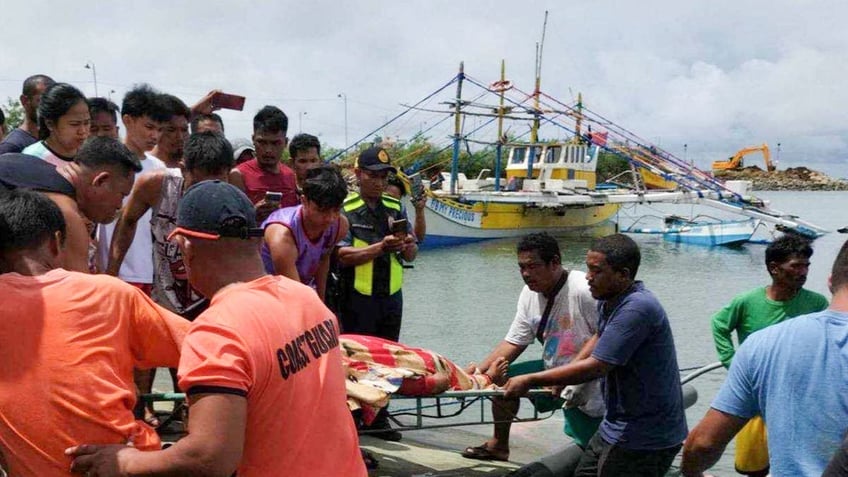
column 90, row 189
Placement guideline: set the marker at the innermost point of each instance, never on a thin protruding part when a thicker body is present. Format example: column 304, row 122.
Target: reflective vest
column 382, row 276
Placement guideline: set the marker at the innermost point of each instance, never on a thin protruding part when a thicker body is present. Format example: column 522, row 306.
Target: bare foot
column 497, row 371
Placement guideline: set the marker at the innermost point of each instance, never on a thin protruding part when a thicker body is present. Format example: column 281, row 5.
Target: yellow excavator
column 735, row 163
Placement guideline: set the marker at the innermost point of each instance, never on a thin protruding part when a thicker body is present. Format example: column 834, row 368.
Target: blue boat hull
column 723, row 233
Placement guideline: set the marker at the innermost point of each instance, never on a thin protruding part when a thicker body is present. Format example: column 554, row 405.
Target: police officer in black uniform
column 380, row 236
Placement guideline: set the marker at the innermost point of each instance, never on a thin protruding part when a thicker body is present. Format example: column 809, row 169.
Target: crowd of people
column 173, row 247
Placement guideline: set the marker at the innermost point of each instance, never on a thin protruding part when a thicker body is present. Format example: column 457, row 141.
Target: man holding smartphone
column 266, row 173
column 370, row 255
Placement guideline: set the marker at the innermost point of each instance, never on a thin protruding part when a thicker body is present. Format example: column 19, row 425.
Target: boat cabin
column 553, row 160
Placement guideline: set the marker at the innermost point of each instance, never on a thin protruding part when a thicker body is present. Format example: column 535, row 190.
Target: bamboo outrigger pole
column 457, row 123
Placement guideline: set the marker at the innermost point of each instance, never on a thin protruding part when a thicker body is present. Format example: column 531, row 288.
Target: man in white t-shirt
column 556, row 308
column 143, row 115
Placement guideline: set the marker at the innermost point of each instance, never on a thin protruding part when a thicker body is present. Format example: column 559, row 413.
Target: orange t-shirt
column 70, row 342
column 274, row 342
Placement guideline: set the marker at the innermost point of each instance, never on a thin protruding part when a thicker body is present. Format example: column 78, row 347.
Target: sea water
column 460, row 301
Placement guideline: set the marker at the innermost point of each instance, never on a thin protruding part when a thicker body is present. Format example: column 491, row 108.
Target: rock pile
column 793, row 178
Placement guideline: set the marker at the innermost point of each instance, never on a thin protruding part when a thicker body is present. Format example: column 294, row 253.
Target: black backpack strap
column 547, row 313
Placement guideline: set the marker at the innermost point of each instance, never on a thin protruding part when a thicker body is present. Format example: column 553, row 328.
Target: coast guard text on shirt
column 320, row 340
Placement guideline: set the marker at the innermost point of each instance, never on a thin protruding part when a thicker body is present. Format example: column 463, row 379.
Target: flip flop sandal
column 483, row 452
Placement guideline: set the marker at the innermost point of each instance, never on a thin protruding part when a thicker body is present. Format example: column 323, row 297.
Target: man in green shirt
column 787, row 261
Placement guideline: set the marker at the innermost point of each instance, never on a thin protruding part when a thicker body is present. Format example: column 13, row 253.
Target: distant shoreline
column 796, row 179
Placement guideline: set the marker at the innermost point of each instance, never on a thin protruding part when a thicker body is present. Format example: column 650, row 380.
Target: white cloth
column 138, row 263
column 573, row 320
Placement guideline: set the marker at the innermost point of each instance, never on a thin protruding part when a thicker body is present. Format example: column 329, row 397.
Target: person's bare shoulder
column 277, row 231
column 148, row 187
column 236, row 178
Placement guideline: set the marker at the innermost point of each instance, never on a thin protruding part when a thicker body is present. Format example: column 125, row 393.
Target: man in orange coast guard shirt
column 69, row 342
column 261, row 366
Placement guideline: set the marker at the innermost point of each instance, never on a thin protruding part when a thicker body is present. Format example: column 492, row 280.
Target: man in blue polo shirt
column 634, row 353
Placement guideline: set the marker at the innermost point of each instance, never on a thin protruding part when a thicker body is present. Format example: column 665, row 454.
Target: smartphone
column 398, row 226
column 417, row 186
column 228, row 101
column 276, row 197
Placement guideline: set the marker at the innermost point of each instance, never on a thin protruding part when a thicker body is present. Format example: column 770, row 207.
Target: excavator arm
column 735, row 162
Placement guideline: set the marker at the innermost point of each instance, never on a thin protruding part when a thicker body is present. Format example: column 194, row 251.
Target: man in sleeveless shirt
column 208, row 156
column 299, row 240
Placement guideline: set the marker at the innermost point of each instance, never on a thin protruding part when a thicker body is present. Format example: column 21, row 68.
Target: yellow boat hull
column 450, row 222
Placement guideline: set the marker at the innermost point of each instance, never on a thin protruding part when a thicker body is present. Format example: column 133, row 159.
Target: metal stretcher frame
column 445, row 405
column 453, row 403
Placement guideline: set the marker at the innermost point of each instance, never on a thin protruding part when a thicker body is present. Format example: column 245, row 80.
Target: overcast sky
column 716, row 75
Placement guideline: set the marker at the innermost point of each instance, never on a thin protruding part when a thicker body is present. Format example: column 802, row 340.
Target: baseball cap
column 375, row 159
column 240, row 145
column 214, row 209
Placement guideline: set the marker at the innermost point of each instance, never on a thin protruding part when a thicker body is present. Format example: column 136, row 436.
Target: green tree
column 611, row 165
column 14, row 113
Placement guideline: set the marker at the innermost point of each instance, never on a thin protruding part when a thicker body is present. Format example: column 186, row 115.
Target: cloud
column 716, row 76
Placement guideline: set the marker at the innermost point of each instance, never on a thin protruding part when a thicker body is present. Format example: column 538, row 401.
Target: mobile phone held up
column 275, row 197
column 417, row 186
column 227, row 101
column 397, row 226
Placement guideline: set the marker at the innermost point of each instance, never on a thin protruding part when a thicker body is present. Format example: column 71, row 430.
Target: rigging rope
column 398, row 116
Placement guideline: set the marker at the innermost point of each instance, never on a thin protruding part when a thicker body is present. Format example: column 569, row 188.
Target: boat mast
column 457, row 123
column 579, row 120
column 534, row 129
column 499, row 149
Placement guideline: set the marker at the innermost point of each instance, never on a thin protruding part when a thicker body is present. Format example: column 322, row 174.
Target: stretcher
column 448, row 409
column 408, row 413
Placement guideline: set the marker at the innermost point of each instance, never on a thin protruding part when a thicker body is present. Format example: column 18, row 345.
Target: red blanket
column 376, row 368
